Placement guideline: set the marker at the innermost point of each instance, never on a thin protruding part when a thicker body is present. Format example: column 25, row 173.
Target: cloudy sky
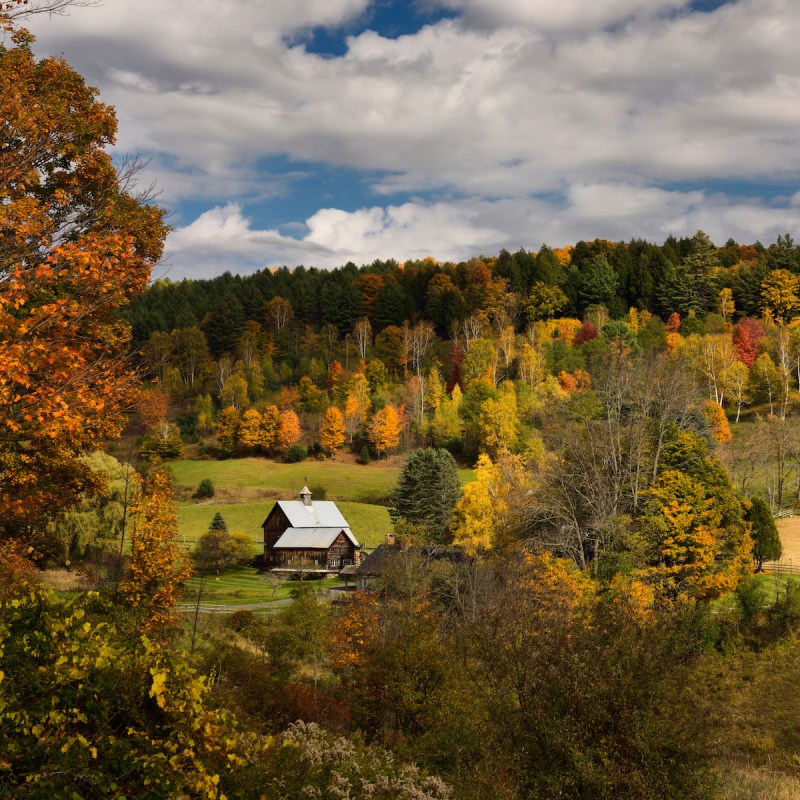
column 320, row 131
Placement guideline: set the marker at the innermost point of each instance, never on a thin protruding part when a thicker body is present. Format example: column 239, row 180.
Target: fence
column 781, row 568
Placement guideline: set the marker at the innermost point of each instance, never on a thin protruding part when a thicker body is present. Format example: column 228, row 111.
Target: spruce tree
column 766, row 539
column 427, row 492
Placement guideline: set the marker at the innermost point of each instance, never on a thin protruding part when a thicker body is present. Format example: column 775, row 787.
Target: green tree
column 217, row 549
column 599, row 282
column 480, row 362
column 96, row 524
column 426, row 493
column 766, row 539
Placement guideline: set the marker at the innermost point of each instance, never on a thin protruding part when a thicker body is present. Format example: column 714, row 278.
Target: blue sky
column 322, row 131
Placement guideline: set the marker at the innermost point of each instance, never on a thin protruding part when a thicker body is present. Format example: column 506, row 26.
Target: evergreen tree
column 427, row 493
column 766, row 539
column 599, row 284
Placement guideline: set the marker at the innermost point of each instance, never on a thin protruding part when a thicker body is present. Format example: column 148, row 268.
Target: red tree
column 746, row 336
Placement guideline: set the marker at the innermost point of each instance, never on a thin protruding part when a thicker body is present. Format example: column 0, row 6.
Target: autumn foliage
column 384, row 429
column 332, row 435
column 158, row 567
column 75, row 246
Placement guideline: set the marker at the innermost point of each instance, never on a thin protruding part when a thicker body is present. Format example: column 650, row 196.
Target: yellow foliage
column 332, row 433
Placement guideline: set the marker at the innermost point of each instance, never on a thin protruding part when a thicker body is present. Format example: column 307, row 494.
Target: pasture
column 246, row 488
column 372, row 483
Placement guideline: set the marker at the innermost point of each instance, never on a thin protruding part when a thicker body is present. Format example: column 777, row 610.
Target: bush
column 365, row 456
column 318, row 492
column 205, row 489
column 217, row 550
column 296, row 453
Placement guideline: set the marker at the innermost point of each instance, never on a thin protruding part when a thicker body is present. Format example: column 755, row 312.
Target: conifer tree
column 766, row 539
column 427, row 492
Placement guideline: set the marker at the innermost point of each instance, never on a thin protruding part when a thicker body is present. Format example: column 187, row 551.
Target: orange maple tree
column 288, row 429
column 384, row 429
column 75, row 247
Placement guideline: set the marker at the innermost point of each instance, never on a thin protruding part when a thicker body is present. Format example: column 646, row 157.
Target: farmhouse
column 314, row 536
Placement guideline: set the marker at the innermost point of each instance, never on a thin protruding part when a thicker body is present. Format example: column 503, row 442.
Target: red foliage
column 673, row 323
column 746, row 336
column 586, row 333
column 455, row 369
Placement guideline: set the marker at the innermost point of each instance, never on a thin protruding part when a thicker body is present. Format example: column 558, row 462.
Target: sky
column 317, row 132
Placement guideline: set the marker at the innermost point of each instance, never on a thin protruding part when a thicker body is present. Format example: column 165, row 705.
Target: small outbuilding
column 309, row 536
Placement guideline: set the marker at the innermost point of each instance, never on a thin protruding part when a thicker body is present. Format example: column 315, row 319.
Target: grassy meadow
column 246, row 488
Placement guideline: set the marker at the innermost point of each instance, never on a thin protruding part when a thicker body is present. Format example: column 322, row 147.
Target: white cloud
column 517, row 98
column 559, row 15
column 224, row 239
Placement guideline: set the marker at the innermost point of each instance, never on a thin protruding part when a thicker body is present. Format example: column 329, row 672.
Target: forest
column 586, row 616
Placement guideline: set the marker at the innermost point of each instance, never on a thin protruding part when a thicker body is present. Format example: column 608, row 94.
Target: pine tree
column 766, row 539
column 427, row 492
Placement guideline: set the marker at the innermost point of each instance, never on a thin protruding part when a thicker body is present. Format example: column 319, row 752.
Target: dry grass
column 63, row 580
column 789, row 529
column 753, row 699
column 757, row 784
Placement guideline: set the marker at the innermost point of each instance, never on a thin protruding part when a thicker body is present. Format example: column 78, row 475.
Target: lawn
column 369, row 523
column 243, row 586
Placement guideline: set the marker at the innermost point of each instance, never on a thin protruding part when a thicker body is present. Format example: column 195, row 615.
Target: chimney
column 305, row 496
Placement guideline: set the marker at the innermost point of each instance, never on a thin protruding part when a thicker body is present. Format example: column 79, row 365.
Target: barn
column 307, row 535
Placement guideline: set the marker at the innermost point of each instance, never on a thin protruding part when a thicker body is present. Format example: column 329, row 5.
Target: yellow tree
column 446, row 423
column 725, row 305
column 484, row 518
column 779, row 295
column 434, row 389
column 251, row 430
column 228, row 429
column 270, row 424
column 158, row 568
column 499, row 421
column 697, row 545
column 384, row 429
column 717, row 421
column 332, row 433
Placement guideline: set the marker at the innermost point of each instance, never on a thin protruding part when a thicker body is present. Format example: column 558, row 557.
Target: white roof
column 320, row 537
column 321, row 513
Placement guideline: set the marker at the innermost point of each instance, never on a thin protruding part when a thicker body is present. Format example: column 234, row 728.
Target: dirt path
column 789, row 529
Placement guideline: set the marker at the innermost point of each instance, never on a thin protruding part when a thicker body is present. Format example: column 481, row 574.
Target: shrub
column 205, row 489
column 365, row 456
column 296, row 453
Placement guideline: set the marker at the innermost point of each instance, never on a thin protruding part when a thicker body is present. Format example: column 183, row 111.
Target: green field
column 361, row 493
column 243, row 586
column 362, row 484
column 369, row 523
